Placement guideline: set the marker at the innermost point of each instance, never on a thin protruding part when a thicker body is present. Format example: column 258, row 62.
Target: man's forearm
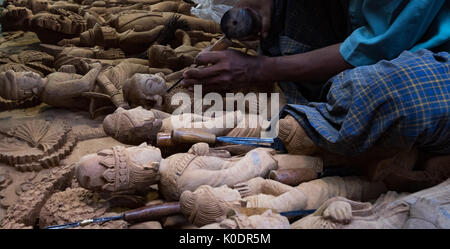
column 315, row 66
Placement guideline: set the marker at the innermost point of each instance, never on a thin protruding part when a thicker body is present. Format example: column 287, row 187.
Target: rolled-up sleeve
column 391, row 26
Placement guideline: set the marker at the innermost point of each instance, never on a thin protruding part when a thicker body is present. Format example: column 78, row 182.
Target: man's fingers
column 208, row 57
column 201, row 73
column 212, row 75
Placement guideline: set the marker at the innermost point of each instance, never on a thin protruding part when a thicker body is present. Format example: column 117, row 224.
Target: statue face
column 132, row 126
column 138, row 115
column 89, row 172
column 151, row 84
column 146, row 90
column 167, row 52
column 159, row 55
column 28, row 79
column 145, row 156
column 26, row 85
column 104, row 170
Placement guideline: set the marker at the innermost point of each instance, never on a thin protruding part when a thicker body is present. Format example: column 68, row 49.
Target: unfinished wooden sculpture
column 28, row 61
column 57, row 89
column 50, row 27
column 129, row 84
column 399, row 170
column 71, row 56
column 295, row 138
column 266, row 220
column 134, row 126
column 37, row 6
column 146, row 20
column 182, row 171
column 120, row 169
column 208, row 205
column 37, row 144
column 182, row 56
column 62, row 89
column 124, row 125
column 145, row 90
column 130, row 41
column 180, row 7
column 74, row 56
column 268, row 194
column 202, row 165
column 104, row 8
column 222, row 207
column 421, row 210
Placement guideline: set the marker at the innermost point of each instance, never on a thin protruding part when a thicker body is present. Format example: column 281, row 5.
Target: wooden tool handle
column 153, row 212
column 220, row 45
column 186, row 136
column 164, row 140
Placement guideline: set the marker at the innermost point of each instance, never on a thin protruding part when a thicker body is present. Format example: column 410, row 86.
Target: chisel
column 189, row 136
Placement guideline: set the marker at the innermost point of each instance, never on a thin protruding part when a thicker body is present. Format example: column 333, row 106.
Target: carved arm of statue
column 308, row 195
column 65, row 90
column 184, row 171
column 118, row 124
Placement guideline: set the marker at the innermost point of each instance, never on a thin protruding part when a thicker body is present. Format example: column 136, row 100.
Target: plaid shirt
column 402, row 103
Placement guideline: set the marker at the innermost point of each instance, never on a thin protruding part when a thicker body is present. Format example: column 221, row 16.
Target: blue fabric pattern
column 402, row 103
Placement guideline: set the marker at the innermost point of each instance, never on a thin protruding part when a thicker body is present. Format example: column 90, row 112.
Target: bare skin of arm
column 317, row 65
column 231, row 68
column 260, row 185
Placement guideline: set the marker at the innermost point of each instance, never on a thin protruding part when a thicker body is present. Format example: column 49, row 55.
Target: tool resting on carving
column 186, row 136
column 147, row 213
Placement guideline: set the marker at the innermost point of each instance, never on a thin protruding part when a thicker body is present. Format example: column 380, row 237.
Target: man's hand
column 229, row 69
column 264, row 9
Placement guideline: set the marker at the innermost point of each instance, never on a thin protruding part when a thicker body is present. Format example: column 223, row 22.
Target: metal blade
column 86, row 222
column 298, row 213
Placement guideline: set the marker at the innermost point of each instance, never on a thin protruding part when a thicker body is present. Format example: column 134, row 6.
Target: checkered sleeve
column 402, row 103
